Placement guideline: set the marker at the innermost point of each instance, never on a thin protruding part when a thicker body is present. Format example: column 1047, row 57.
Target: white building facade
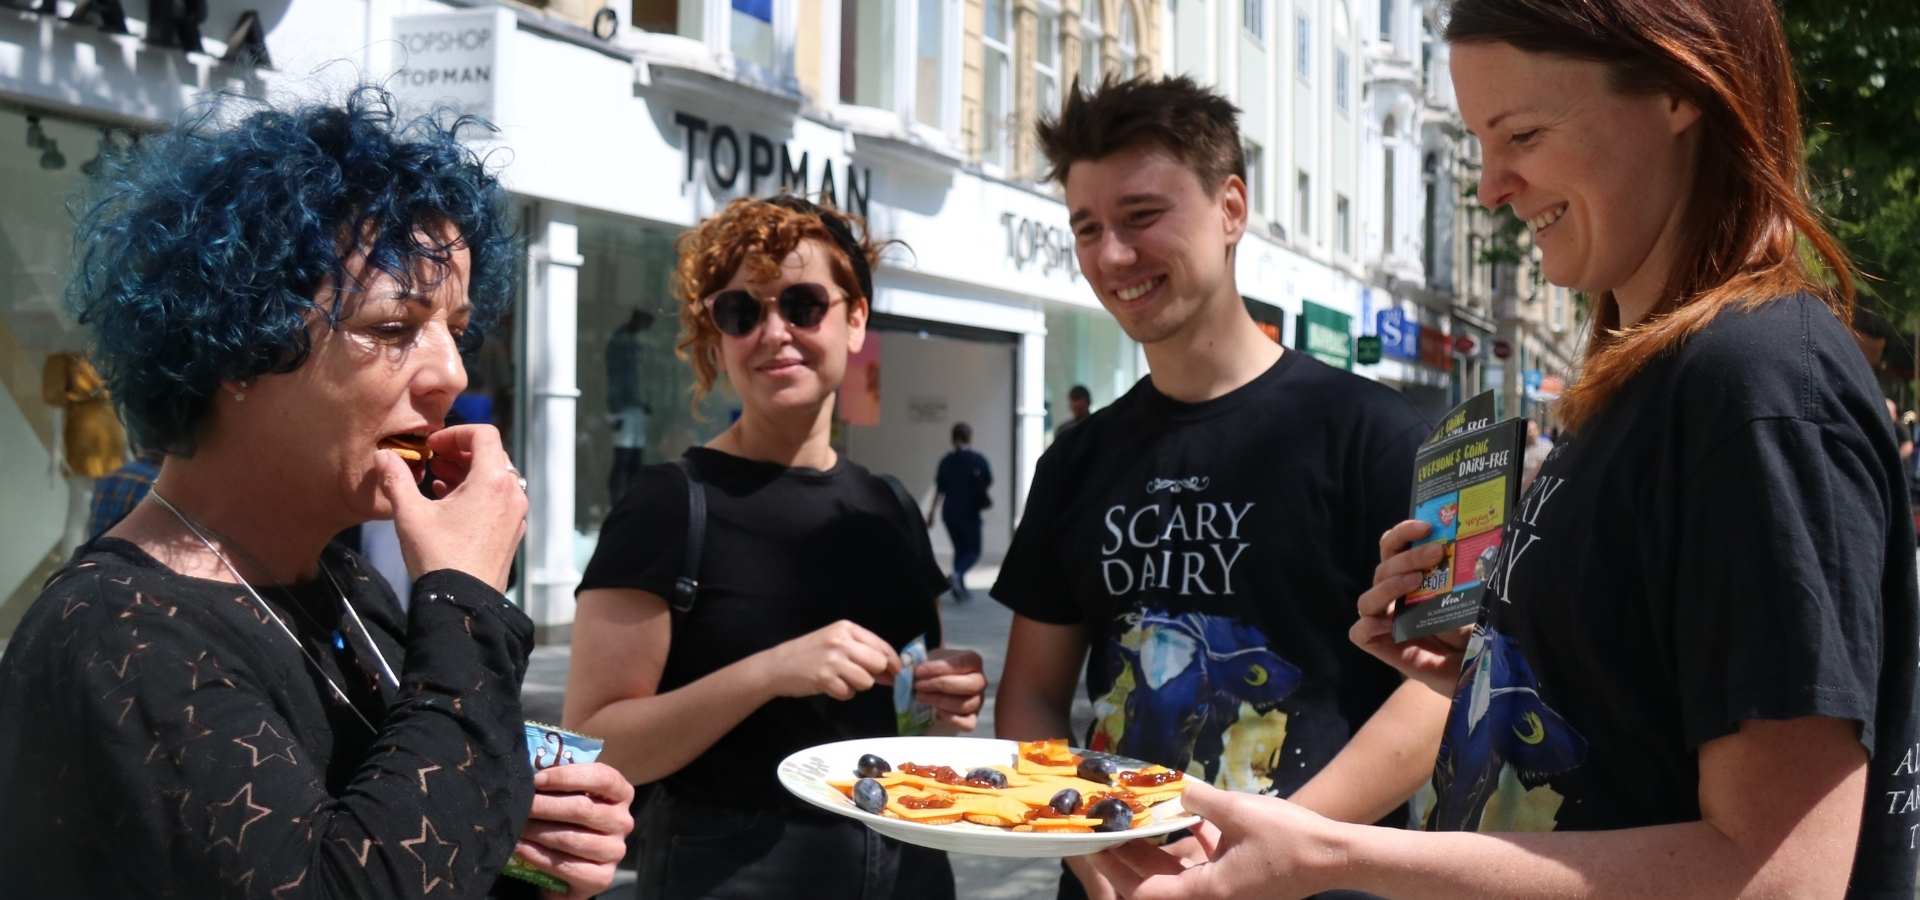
column 622, row 124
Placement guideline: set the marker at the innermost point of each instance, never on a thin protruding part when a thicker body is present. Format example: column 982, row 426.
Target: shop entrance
column 931, row 376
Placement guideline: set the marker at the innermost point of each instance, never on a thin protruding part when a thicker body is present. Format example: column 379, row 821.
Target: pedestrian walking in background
column 1693, row 671
column 704, row 668
column 962, row 486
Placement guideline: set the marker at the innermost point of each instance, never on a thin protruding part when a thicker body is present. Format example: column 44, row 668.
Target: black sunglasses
column 737, row 313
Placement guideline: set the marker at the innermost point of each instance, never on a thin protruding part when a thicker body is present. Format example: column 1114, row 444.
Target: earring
column 240, row 396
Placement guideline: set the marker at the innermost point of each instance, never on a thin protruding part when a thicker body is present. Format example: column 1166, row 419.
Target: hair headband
column 841, row 234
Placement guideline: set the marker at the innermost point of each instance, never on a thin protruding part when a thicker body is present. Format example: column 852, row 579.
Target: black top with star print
column 161, row 736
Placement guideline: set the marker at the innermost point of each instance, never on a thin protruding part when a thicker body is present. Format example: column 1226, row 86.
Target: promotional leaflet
column 1466, row 482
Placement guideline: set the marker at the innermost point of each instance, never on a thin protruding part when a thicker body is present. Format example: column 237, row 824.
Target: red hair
column 1749, row 217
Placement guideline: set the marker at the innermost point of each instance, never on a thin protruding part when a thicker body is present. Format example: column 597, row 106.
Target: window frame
column 1253, row 20
column 1303, row 48
column 996, row 140
column 1303, row 203
column 1092, row 34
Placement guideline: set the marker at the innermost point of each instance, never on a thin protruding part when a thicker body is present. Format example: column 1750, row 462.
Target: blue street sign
column 1398, row 337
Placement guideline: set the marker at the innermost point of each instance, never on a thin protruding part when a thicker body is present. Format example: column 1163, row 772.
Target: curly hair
column 200, row 254
column 755, row 234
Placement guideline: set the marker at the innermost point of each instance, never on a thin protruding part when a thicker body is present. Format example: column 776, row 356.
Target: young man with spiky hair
column 1199, row 544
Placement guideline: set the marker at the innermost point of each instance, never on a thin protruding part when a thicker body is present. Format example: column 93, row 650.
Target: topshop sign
column 1031, row 243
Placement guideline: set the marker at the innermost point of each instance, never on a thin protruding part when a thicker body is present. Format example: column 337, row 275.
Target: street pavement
column 979, row 625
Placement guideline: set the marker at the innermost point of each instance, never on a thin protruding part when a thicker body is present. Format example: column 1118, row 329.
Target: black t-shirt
column 1728, row 540
column 160, row 736
column 788, row 551
column 962, row 478
column 1213, row 551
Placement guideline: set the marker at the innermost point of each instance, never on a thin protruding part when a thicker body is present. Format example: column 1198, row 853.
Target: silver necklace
column 338, row 691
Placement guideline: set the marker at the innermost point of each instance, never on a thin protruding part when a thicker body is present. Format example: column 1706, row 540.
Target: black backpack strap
column 686, row 588
column 917, row 529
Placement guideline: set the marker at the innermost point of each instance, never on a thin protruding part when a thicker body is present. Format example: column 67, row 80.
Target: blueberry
column 1065, row 802
column 989, row 776
column 871, row 766
column 1114, row 815
column 1095, row 769
column 869, row 795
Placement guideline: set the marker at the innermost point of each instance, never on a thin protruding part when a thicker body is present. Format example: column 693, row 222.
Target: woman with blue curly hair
column 211, row 701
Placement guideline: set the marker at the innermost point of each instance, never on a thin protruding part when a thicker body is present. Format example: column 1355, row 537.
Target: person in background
column 963, row 481
column 813, row 574
column 1534, row 455
column 121, row 490
column 1195, row 545
column 1079, row 406
column 1693, row 672
column 209, row 700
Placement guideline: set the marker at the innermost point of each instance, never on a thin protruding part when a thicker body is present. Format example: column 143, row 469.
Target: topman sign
column 752, row 162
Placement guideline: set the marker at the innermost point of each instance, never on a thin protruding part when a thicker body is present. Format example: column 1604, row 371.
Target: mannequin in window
column 626, row 407
column 88, row 441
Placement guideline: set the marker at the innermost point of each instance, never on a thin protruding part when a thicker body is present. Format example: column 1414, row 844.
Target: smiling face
column 1152, row 241
column 392, row 367
column 779, row 367
column 1600, row 177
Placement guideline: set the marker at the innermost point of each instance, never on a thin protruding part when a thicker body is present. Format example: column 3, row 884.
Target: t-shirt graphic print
column 1211, row 553
column 1198, row 691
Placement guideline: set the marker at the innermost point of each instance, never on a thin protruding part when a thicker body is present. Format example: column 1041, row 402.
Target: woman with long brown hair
column 1696, row 663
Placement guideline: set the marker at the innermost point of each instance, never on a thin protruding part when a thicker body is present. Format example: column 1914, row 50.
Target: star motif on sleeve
column 360, row 855
column 206, row 667
column 439, row 856
column 238, row 810
column 279, row 891
column 423, row 772
column 260, row 740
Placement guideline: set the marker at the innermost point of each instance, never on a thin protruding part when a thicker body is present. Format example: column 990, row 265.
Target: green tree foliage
column 1859, row 66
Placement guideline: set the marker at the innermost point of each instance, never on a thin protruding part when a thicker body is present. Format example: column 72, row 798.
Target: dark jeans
column 965, row 532
column 692, row 850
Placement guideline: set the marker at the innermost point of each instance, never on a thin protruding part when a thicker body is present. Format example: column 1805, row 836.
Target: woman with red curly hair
column 785, row 624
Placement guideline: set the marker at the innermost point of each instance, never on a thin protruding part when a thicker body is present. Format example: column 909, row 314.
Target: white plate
column 806, row 773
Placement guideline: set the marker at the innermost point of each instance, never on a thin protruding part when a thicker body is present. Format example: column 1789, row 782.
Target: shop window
column 1343, row 225
column 1046, row 60
column 866, row 53
column 1390, row 185
column 634, row 405
column 1303, row 201
column 1129, row 41
column 1091, row 33
column 1256, row 176
column 1341, row 81
column 930, row 73
column 1086, row 347
column 996, row 108
column 1303, row 49
column 681, row 17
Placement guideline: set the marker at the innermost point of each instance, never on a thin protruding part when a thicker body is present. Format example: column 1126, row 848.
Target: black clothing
column 728, row 853
column 787, row 552
column 1728, row 540
column 161, row 736
column 1213, row 552
column 962, row 478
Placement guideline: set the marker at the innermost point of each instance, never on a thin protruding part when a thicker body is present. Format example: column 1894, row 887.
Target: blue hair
column 200, row 253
